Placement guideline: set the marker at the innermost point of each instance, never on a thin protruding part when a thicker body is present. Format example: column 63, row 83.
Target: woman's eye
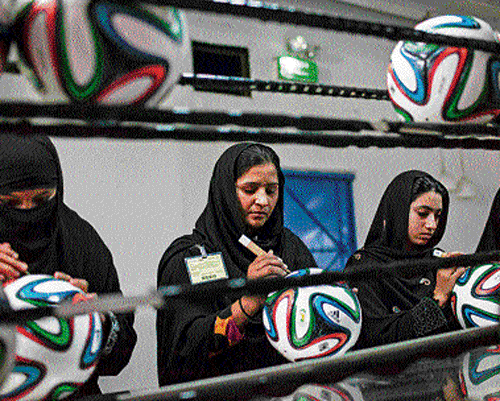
column 423, row 214
column 249, row 191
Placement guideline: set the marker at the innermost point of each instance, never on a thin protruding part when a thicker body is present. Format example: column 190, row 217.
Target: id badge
column 204, row 269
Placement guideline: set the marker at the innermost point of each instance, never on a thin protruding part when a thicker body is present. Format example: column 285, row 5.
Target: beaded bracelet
column 113, row 334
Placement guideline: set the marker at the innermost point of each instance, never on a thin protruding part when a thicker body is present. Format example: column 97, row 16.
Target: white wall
column 142, row 194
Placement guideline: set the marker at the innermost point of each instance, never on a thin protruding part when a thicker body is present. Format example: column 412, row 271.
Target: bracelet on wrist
column 250, row 318
column 113, row 334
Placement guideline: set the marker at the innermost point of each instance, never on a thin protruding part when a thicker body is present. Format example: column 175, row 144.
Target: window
column 221, row 60
column 319, row 209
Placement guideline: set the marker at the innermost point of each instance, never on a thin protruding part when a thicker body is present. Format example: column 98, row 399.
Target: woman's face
column 425, row 212
column 257, row 191
column 27, row 199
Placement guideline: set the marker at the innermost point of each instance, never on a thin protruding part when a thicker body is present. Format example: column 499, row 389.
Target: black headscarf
column 490, row 239
column 220, row 225
column 29, row 163
column 185, row 329
column 50, row 237
column 388, row 234
column 398, row 306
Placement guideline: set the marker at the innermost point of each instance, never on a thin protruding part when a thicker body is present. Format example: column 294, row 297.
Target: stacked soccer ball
column 53, row 357
column 480, row 374
column 475, row 298
column 99, row 52
column 312, row 322
column 445, row 84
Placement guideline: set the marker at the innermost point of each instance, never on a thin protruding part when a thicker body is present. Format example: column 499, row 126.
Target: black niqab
column 30, row 163
column 51, row 237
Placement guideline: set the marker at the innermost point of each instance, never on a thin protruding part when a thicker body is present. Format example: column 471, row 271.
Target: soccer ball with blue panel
column 446, row 84
column 312, row 322
column 101, row 51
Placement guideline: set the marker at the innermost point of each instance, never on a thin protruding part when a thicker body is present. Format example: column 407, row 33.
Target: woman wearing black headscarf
column 409, row 222
column 490, row 239
column 40, row 234
column 220, row 336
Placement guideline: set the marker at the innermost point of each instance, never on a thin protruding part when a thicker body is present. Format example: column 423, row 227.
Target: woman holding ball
column 40, row 234
column 198, row 339
column 409, row 223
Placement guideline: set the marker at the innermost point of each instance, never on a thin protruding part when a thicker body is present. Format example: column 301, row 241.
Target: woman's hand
column 88, row 297
column 267, row 265
column 446, row 279
column 82, row 285
column 10, row 265
column 264, row 266
column 77, row 282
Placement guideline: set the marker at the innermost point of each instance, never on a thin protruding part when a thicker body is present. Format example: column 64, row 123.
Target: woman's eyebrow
column 429, row 208
column 258, row 183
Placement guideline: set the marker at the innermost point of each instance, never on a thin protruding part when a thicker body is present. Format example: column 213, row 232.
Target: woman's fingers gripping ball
column 10, row 265
column 77, row 282
column 446, row 279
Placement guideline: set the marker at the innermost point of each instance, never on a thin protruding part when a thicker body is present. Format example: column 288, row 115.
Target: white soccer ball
column 475, row 297
column 101, row 51
column 54, row 357
column 312, row 322
column 7, row 341
column 480, row 374
column 445, row 84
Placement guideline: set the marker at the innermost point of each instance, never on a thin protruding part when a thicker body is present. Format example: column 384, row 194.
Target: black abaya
column 188, row 348
column 398, row 307
column 54, row 238
column 490, row 239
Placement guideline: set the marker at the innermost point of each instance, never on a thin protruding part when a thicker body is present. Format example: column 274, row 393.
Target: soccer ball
column 312, row 322
column 480, row 374
column 475, row 298
column 432, row 83
column 53, row 357
column 101, row 51
column 7, row 341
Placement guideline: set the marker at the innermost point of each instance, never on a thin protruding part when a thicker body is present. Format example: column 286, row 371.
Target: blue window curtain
column 319, row 209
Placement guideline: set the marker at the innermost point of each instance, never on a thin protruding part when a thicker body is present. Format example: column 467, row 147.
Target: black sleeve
column 185, row 330
column 384, row 324
column 120, row 339
column 296, row 253
column 91, row 259
column 380, row 325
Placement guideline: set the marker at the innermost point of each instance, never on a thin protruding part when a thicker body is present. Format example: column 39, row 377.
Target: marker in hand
column 257, row 250
column 252, row 246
